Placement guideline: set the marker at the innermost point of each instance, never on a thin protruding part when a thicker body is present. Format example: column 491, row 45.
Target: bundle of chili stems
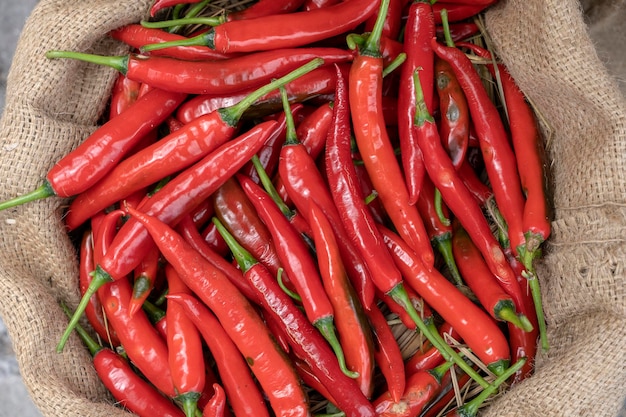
column 307, row 207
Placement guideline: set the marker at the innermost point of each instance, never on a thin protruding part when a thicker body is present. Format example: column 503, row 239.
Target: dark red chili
column 387, row 353
column 184, row 345
column 419, row 29
column 217, row 406
column 124, row 93
column 238, row 317
column 265, row 8
column 421, row 388
column 500, row 162
column 365, row 95
column 354, row 330
column 210, row 77
column 457, row 11
column 129, row 389
column 306, row 341
column 459, row 31
column 214, row 240
column 103, row 149
column 162, row 4
column 137, row 36
column 283, row 30
column 481, row 192
column 243, row 393
column 428, row 356
column 477, row 329
column 177, row 151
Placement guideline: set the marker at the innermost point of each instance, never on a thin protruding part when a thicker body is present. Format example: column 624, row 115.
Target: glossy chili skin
column 419, row 29
column 387, row 354
column 365, row 82
column 459, row 31
column 104, row 148
column 305, row 340
column 144, row 277
column 136, row 35
column 500, row 162
column 217, row 405
column 481, row 192
column 242, row 391
column 162, row 4
column 265, row 8
column 240, row 320
column 455, row 117
column 428, row 357
column 476, row 328
column 393, row 20
column 180, row 196
column 457, row 11
column 354, row 331
column 289, row 30
column 184, row 345
column 124, row 93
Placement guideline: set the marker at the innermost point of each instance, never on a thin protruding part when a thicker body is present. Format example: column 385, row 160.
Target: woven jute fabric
column 52, row 105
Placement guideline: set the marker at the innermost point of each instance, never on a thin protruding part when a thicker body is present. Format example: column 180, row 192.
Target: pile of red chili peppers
column 278, row 189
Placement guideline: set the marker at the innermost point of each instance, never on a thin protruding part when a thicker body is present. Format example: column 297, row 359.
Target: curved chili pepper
column 316, row 83
column 234, row 372
column 299, row 265
column 217, row 406
column 306, row 342
column 440, row 234
column 282, row 30
column 138, row 36
column 421, row 388
column 477, row 329
column 457, row 11
column 103, row 149
column 460, row 201
column 304, row 182
column 365, row 96
column 240, row 320
column 428, row 356
column 481, row 192
column 162, row 4
column 387, row 353
column 185, row 348
column 144, row 278
column 210, row 77
column 142, row 343
column 484, row 285
column 455, row 116
column 419, row 29
column 129, row 389
column 177, row 198
column 354, row 331
column 93, row 312
column 177, row 151
column 500, row 162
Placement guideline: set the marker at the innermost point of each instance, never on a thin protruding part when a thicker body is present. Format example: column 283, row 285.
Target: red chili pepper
column 138, row 36
column 310, row 379
column 282, row 30
column 418, row 303
column 455, row 117
column 459, row 200
column 93, row 312
column 419, row 29
column 124, row 93
column 103, row 149
column 421, row 387
column 157, row 317
column 354, row 331
column 428, row 356
column 234, row 372
column 217, row 406
column 177, row 151
column 481, row 192
column 306, row 342
column 129, row 389
column 500, row 162
column 240, row 320
column 477, row 329
column 144, row 278
column 446, row 394
column 265, row 8
column 481, row 281
column 393, row 20
column 162, row 4
column 318, row 4
column 458, row 12
column 440, row 233
column 387, row 354
column 459, row 31
column 214, row 240
column 185, row 348
column 210, row 77
column 303, row 182
column 365, row 95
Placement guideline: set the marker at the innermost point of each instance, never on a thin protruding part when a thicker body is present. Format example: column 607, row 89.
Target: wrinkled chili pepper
column 240, row 320
column 419, row 29
column 306, row 342
column 127, row 387
column 103, row 149
column 177, row 151
column 354, row 331
column 234, row 372
column 283, row 30
column 365, row 96
column 214, row 77
column 184, row 345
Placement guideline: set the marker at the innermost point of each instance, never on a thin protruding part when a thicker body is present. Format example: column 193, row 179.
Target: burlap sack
column 52, row 105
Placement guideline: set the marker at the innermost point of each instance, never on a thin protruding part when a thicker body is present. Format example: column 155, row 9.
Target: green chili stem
column 189, row 402
column 282, row 285
column 266, row 181
column 207, row 21
column 446, row 28
column 439, row 209
column 119, row 63
column 505, row 310
column 93, row 346
column 327, row 329
column 397, row 61
column 44, row 191
column 291, row 137
column 443, row 243
column 372, row 43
